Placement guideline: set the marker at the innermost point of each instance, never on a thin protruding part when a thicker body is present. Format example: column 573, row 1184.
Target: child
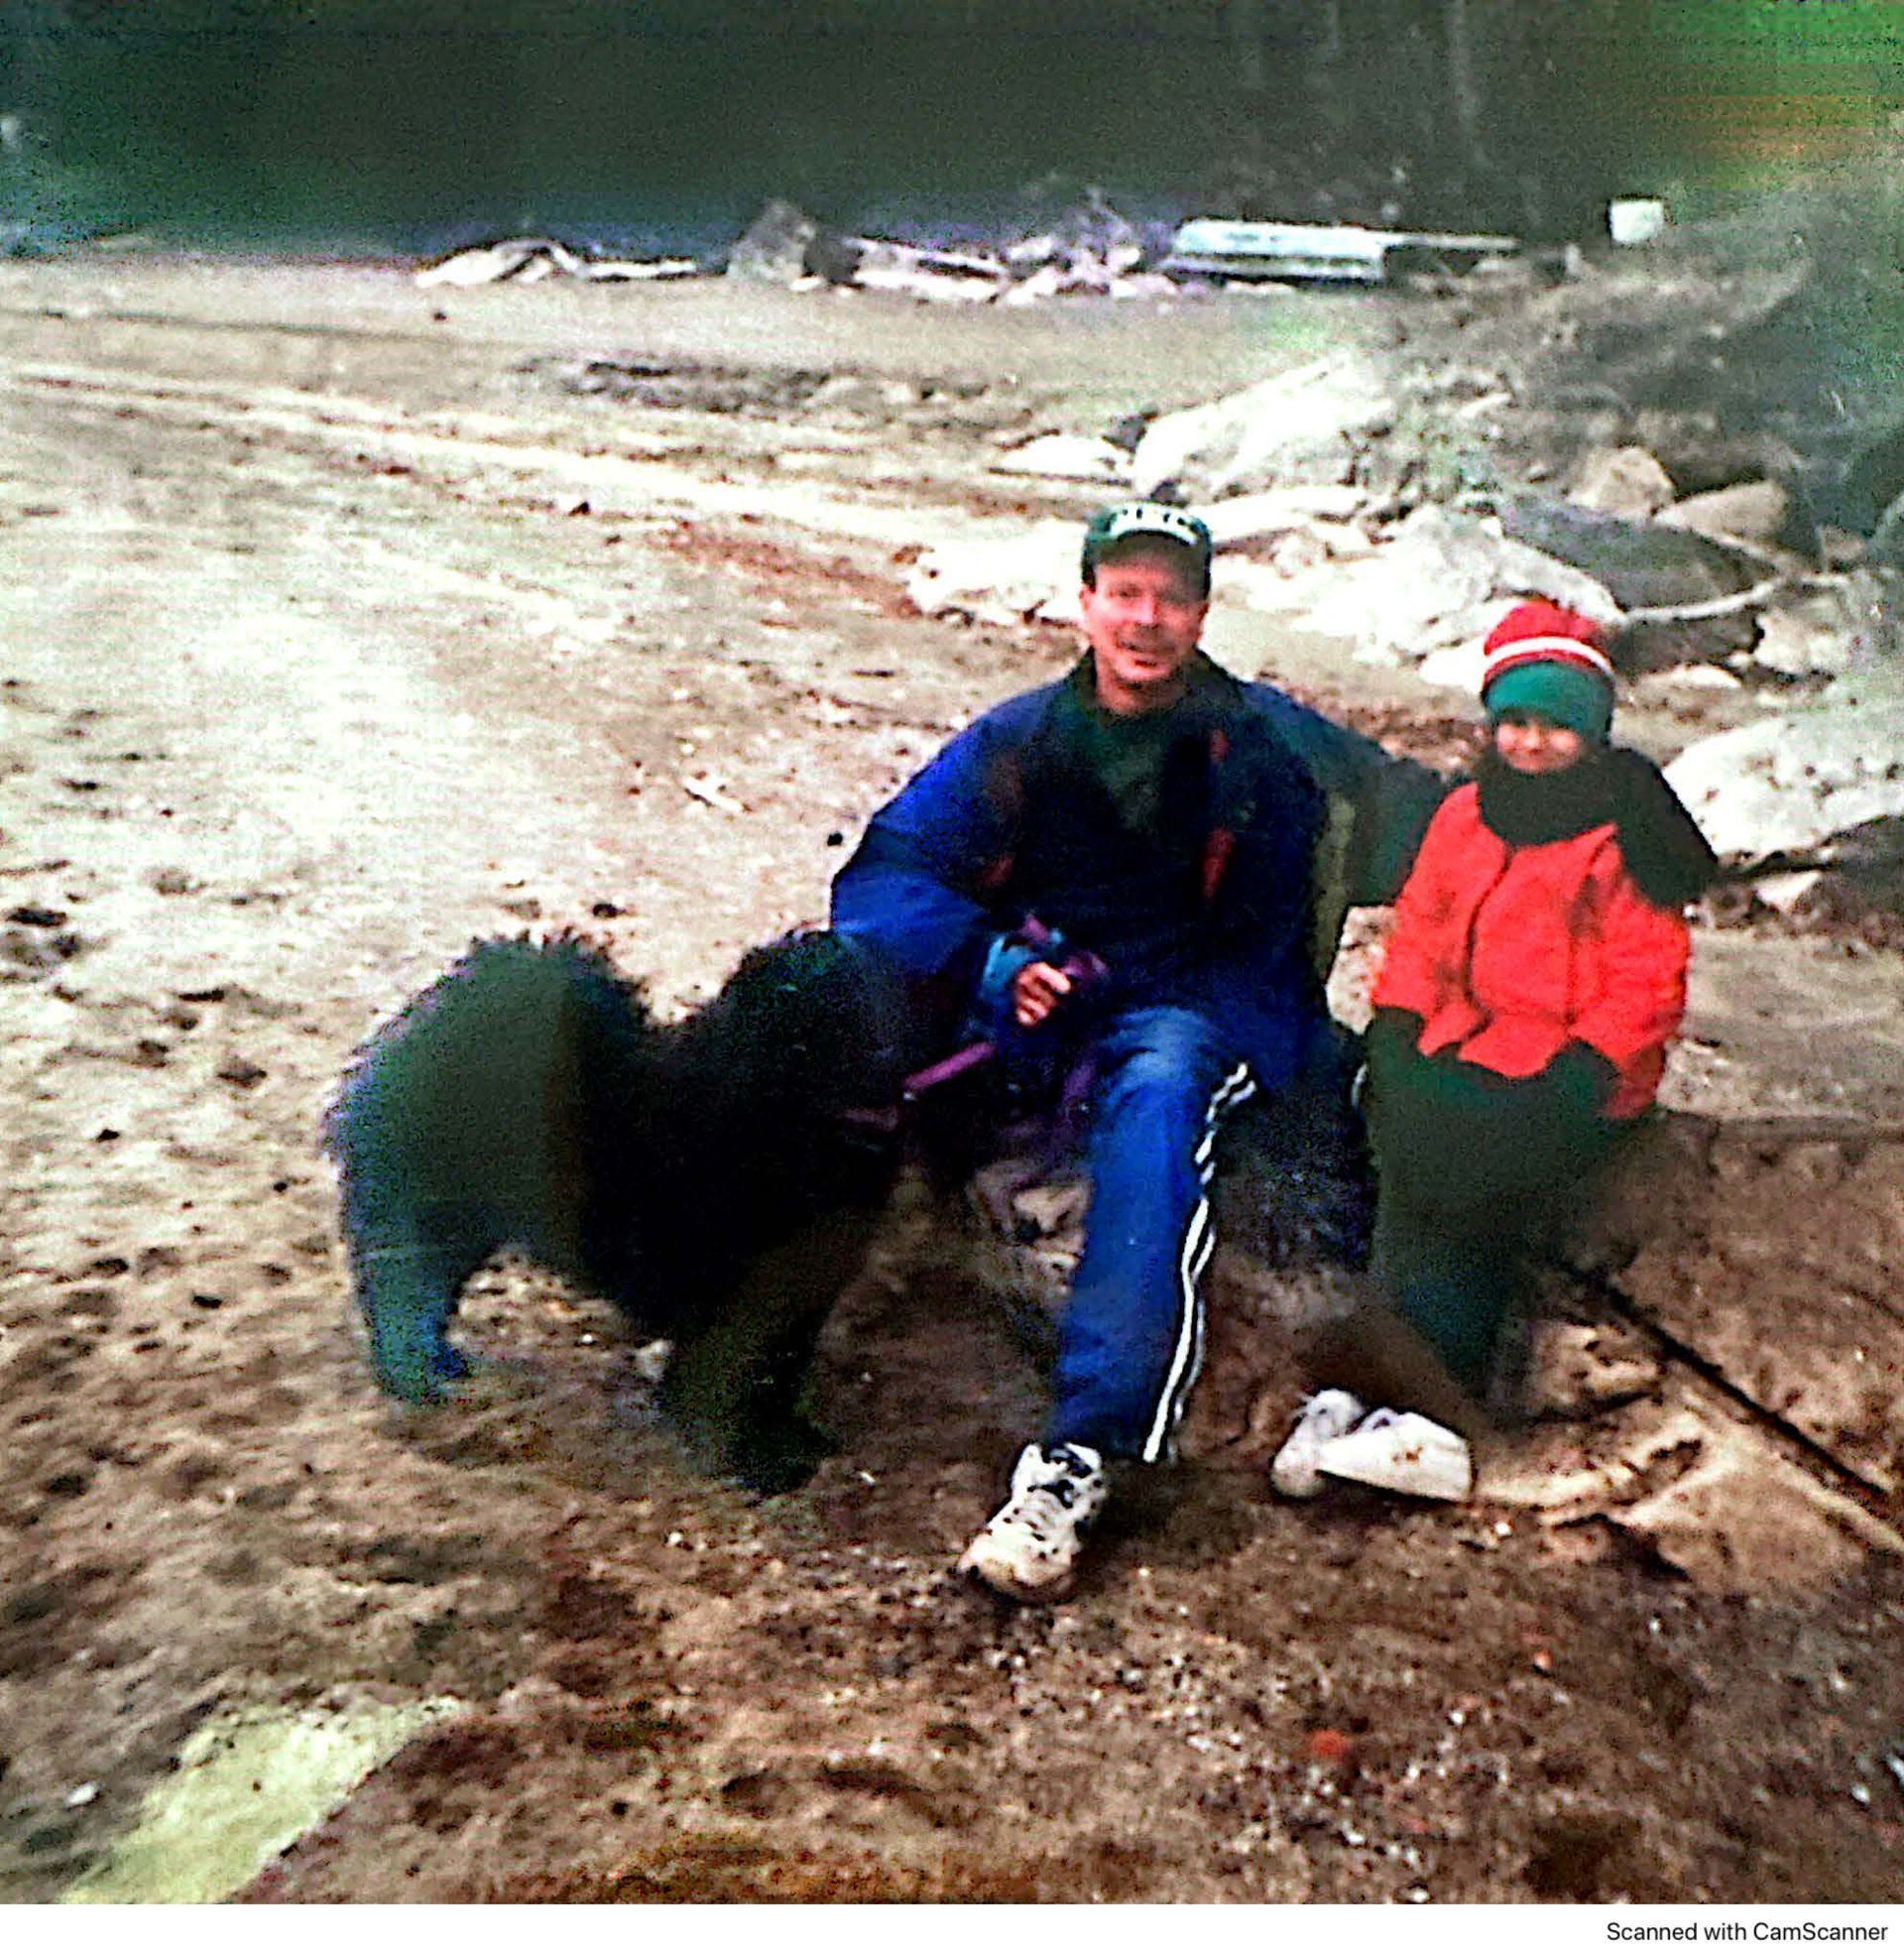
column 1535, row 974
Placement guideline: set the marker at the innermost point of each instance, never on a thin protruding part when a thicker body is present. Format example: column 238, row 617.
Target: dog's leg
column 733, row 1391
column 409, row 1269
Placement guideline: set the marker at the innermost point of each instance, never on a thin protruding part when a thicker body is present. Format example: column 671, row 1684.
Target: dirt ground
column 338, row 629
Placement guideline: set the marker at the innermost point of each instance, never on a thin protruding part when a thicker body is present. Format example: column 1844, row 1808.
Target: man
column 1123, row 868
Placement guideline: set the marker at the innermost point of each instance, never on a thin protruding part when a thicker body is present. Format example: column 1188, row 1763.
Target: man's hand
column 1036, row 991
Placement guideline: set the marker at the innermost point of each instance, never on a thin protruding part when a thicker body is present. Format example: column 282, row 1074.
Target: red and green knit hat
column 1545, row 658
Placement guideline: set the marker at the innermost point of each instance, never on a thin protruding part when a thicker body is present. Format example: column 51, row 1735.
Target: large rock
column 1623, row 481
column 1886, row 549
column 776, row 247
column 1440, row 583
column 1301, row 426
column 1644, row 564
column 1787, row 783
column 1755, row 511
column 1246, row 518
column 1808, row 637
column 1700, row 455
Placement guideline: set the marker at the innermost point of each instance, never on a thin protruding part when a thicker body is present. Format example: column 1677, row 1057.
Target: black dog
column 718, row 1179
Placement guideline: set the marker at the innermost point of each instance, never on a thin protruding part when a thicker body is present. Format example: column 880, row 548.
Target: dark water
column 664, row 124
column 650, row 136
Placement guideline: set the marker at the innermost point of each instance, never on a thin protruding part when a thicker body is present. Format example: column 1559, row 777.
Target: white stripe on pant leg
column 1186, row 1362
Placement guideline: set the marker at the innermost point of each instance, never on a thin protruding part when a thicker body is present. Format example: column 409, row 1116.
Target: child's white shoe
column 1402, row 1452
column 1325, row 1415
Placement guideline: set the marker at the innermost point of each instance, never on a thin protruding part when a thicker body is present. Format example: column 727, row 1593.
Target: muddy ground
column 338, row 628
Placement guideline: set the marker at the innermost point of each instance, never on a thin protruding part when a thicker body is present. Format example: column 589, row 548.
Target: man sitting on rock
column 1141, row 869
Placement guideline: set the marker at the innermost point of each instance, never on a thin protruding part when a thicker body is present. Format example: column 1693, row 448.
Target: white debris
column 1067, row 458
column 1635, row 221
column 940, row 277
column 1792, row 782
column 1251, row 518
column 1694, row 679
column 1032, row 576
column 530, row 260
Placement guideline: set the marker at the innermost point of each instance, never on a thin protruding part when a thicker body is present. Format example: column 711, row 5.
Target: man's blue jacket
column 1272, row 822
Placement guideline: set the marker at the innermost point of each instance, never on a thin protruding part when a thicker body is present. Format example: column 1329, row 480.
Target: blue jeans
column 1131, row 1341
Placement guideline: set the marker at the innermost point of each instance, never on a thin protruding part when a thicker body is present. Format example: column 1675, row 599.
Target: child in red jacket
column 1534, row 976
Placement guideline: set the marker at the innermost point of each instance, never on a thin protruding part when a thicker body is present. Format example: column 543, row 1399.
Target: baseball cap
column 1109, row 527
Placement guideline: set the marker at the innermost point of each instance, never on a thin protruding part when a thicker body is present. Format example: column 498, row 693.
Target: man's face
column 1142, row 620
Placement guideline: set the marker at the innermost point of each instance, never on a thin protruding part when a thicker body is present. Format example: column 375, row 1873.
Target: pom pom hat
column 1544, row 659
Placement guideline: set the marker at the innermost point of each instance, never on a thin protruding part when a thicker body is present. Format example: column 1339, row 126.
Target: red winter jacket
column 1510, row 954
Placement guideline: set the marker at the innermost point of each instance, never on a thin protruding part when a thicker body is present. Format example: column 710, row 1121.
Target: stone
column 1808, row 637
column 1301, row 426
column 1458, row 666
column 1015, row 580
column 1643, row 564
column 1872, row 481
column 1699, row 456
column 1143, row 284
column 774, row 248
column 1753, row 511
column 1886, row 548
column 1623, row 481
column 1790, row 783
column 1255, row 518
column 1441, row 581
column 247, row 1785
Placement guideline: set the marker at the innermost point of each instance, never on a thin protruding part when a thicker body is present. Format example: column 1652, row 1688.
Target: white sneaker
column 1029, row 1548
column 1402, row 1452
column 1324, row 1415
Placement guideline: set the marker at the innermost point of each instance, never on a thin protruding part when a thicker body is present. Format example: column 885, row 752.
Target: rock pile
column 1686, row 440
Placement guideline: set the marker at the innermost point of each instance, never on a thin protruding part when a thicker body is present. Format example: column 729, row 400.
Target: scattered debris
column 940, row 277
column 705, row 789
column 530, row 260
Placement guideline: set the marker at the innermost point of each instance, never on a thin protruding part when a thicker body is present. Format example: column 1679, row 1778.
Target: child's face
column 1531, row 744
